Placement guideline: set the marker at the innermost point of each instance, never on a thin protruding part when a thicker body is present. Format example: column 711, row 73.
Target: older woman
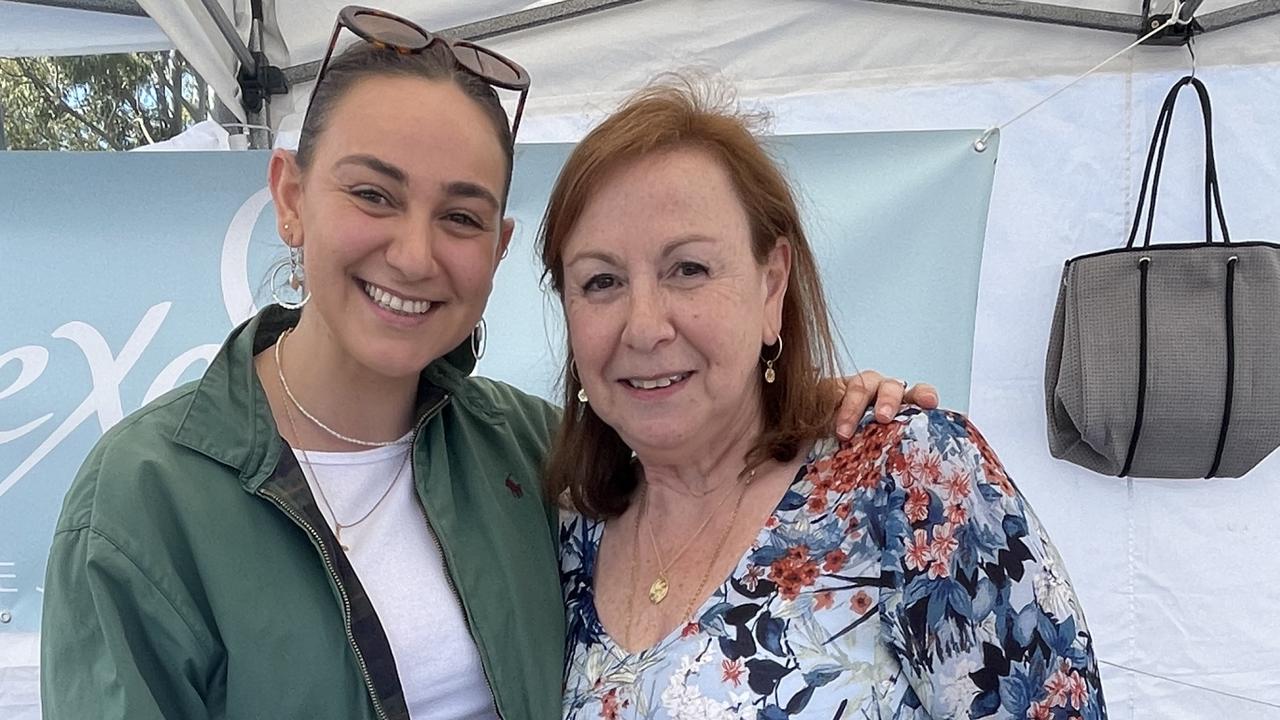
column 727, row 557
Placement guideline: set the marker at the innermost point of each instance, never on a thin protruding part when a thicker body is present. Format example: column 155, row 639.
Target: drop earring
column 582, row 392
column 770, row 376
column 296, row 281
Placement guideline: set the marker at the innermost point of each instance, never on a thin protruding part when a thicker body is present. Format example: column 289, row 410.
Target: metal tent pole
column 228, row 30
column 110, row 7
column 1237, row 14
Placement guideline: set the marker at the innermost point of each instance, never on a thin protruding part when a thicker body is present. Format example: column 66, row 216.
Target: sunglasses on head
column 392, row 32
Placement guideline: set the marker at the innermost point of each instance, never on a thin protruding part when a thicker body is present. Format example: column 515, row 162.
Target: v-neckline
column 677, row 633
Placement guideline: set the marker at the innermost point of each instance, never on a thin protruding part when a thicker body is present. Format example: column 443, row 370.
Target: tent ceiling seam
column 1086, row 18
column 1033, row 12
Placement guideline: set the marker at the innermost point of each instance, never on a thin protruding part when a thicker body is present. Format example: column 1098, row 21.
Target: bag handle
column 1155, row 153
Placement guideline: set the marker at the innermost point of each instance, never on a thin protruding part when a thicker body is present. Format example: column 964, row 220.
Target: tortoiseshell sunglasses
column 393, row 32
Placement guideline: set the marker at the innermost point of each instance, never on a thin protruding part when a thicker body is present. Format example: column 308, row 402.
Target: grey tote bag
column 1164, row 360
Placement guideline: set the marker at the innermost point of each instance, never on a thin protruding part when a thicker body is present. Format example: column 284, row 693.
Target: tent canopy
column 767, row 48
column 29, row 29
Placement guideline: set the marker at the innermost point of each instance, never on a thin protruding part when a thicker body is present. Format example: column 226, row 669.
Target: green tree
column 99, row 102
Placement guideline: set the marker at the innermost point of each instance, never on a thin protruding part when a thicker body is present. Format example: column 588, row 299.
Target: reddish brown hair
column 589, row 460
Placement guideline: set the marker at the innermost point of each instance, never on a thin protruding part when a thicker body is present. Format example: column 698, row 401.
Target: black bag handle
column 1155, row 153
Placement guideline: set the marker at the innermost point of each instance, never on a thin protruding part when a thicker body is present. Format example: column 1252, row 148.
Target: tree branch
column 148, row 130
column 175, row 87
column 54, row 100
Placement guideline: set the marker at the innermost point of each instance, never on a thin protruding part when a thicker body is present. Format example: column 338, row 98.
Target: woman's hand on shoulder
column 857, row 393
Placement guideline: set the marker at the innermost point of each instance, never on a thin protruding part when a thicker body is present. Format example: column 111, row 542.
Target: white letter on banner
column 236, row 295
column 7, row 576
column 34, row 359
column 107, row 373
column 168, row 378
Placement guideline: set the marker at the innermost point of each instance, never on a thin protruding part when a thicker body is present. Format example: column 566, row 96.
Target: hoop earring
column 769, row 375
column 582, row 392
column 479, row 339
column 296, row 282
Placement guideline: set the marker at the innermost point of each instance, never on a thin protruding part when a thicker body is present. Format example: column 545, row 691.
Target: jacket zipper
column 448, row 576
column 458, row 597
column 342, row 590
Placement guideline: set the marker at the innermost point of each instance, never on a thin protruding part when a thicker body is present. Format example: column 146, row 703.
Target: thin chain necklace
column 289, row 394
column 699, row 494
column 706, row 574
column 661, row 586
column 338, row 525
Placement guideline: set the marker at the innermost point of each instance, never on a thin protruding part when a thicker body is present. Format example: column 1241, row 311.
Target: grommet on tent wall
column 980, row 144
column 5, row 617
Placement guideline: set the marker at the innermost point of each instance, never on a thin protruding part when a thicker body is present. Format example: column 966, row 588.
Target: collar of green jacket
column 227, row 417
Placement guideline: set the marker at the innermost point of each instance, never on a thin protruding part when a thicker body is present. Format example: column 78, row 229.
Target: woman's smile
column 398, row 310
column 655, row 387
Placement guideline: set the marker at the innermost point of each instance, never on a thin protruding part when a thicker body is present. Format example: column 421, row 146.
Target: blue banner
column 123, row 272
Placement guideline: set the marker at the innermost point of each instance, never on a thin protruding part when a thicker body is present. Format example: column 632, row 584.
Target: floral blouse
column 902, row 576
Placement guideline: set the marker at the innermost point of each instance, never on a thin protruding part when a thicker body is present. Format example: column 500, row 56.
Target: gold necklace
column 661, row 586
column 279, row 350
column 724, row 537
column 697, row 591
column 338, row 525
column 631, row 583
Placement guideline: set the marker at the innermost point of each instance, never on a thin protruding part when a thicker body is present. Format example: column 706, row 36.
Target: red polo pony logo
column 515, row 488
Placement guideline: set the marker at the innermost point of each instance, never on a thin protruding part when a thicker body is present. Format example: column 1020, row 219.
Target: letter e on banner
column 34, row 360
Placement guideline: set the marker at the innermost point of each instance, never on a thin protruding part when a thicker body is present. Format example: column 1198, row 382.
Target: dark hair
column 589, row 460
column 365, row 60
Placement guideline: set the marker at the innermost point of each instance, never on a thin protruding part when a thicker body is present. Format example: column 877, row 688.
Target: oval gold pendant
column 658, row 590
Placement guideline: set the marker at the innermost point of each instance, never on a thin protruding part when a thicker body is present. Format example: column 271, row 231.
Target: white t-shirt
column 399, row 564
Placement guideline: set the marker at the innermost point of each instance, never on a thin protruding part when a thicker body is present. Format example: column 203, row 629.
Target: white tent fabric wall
column 1158, row 565
column 1175, row 577
column 1163, row 567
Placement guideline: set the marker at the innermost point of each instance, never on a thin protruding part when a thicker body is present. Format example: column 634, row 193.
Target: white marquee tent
column 1178, row 578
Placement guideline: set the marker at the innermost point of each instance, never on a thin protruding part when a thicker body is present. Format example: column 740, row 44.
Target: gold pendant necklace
column 661, row 585
column 658, row 590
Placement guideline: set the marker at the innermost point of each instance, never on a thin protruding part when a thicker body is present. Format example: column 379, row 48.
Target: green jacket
column 192, row 575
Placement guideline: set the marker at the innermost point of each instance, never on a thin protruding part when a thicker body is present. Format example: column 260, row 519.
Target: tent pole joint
column 259, row 82
column 1175, row 34
column 1184, row 27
